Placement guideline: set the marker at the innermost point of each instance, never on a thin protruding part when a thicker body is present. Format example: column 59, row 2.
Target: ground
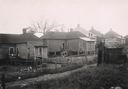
column 27, row 82
column 87, row 77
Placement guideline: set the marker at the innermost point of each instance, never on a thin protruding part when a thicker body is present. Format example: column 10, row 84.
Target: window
column 39, row 51
column 17, row 51
column 11, row 50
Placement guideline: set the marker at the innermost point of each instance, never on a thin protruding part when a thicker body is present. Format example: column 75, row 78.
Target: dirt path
column 26, row 82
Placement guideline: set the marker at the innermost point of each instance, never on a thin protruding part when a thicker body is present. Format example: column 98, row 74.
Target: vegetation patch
column 20, row 75
column 102, row 77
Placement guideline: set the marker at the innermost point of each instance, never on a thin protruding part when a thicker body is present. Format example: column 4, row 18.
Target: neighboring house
column 85, row 32
column 126, row 39
column 23, row 46
column 113, row 37
column 114, row 44
column 126, row 45
column 114, row 53
column 72, row 43
column 98, row 35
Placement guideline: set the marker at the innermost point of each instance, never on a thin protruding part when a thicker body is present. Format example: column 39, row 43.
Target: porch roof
column 87, row 39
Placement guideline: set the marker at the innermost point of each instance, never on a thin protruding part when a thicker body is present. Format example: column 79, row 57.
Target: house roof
column 97, row 33
column 126, row 36
column 75, row 34
column 63, row 35
column 82, row 30
column 87, row 39
column 55, row 35
column 112, row 45
column 18, row 38
column 112, row 34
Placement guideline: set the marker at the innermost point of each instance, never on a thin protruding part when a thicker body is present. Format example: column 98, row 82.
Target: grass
column 13, row 76
column 12, row 72
column 102, row 77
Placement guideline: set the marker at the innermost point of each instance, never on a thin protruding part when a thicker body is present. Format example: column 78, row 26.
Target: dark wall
column 114, row 56
column 4, row 51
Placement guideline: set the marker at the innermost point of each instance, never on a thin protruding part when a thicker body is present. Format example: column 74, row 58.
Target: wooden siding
column 31, row 45
column 26, row 51
column 23, row 50
column 55, row 45
column 114, row 55
column 73, row 45
column 4, row 50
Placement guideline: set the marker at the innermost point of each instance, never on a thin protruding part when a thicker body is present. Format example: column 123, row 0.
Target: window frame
column 12, row 51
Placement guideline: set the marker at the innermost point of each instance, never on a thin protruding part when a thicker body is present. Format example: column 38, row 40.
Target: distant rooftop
column 18, row 38
column 63, row 35
column 112, row 34
column 94, row 31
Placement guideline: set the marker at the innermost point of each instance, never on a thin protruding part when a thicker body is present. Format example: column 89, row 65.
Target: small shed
column 113, row 53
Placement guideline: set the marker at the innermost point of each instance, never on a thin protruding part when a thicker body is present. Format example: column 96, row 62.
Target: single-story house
column 114, row 53
column 113, row 37
column 24, row 46
column 114, row 44
column 71, row 43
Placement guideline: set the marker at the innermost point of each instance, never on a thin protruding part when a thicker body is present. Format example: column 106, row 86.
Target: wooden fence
column 71, row 59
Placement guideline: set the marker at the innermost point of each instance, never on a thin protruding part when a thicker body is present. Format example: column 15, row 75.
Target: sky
column 100, row 14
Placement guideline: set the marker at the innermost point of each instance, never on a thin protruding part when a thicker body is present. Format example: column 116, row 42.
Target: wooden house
column 114, row 53
column 98, row 35
column 113, row 37
column 71, row 43
column 114, row 47
column 24, row 46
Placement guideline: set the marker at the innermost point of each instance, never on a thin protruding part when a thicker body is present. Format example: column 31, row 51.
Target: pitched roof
column 55, row 35
column 112, row 34
column 113, row 45
column 17, row 38
column 82, row 30
column 63, row 35
column 87, row 39
column 126, row 36
column 75, row 34
column 97, row 33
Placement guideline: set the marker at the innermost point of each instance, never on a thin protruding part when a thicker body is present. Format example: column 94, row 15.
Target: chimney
column 24, row 30
column 71, row 29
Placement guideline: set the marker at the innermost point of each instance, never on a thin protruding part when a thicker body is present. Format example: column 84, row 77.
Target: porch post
column 78, row 52
column 34, row 57
column 42, row 54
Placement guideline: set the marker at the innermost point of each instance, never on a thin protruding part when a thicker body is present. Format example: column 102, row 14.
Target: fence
column 71, row 60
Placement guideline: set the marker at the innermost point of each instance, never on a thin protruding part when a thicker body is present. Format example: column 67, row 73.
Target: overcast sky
column 101, row 14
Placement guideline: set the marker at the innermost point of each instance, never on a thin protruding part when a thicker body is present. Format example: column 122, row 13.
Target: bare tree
column 45, row 26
